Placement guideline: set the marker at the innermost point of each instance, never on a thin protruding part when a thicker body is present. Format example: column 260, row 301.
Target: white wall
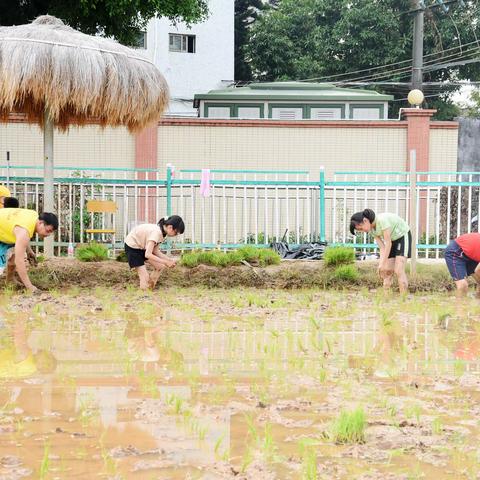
column 204, row 70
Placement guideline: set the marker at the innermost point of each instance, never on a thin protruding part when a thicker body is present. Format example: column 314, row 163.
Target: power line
column 390, row 64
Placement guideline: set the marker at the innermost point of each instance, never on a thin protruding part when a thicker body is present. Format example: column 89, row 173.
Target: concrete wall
column 89, row 146
column 216, row 144
column 204, row 70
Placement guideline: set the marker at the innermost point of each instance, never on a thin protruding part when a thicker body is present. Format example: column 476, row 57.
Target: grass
column 93, row 252
column 346, row 273
column 335, row 256
column 250, row 254
column 349, row 427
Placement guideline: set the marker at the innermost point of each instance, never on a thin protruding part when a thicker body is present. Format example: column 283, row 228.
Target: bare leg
column 476, row 276
column 400, row 263
column 143, row 276
column 155, row 275
column 462, row 287
column 388, row 275
column 10, row 271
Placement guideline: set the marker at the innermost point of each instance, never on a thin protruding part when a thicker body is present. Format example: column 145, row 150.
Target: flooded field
column 239, row 383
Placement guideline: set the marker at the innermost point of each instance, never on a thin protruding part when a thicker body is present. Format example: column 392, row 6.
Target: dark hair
column 175, row 221
column 49, row 219
column 11, row 202
column 357, row 219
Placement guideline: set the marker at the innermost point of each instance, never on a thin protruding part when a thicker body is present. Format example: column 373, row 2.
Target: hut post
column 48, row 192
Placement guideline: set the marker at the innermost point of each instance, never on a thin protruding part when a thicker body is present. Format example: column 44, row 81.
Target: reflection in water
column 137, row 398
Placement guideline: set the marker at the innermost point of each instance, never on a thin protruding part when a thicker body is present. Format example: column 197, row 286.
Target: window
column 218, row 112
column 326, row 113
column 141, row 40
column 249, row 112
column 285, row 113
column 181, row 43
column 366, row 113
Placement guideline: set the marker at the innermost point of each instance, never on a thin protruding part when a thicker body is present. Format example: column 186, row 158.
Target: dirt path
column 62, row 272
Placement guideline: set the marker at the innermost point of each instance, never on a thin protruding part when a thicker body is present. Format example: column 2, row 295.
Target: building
column 193, row 59
column 293, row 101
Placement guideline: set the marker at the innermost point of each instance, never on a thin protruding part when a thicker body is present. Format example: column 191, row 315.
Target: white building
column 194, row 59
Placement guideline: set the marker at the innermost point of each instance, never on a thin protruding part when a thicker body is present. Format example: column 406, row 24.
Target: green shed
column 293, row 101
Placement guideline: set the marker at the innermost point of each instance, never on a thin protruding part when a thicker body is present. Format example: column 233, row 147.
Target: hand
column 172, row 263
column 32, row 259
column 33, row 290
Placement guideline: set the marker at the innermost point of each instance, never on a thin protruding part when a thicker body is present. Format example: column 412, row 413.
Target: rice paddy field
column 244, row 383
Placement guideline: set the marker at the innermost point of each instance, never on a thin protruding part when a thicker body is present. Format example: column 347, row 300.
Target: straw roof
column 79, row 78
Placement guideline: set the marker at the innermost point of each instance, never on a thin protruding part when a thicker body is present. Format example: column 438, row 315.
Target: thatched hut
column 58, row 77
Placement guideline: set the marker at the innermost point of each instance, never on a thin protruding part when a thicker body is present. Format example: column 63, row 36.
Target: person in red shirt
column 463, row 258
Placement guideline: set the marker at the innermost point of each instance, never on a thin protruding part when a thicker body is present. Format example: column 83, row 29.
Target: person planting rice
column 141, row 246
column 394, row 239
column 4, row 194
column 462, row 256
column 17, row 227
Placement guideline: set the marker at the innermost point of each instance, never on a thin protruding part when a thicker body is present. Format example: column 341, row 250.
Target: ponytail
column 175, row 221
column 357, row 219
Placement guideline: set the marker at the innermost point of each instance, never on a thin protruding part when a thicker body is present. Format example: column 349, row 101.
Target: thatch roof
column 79, row 78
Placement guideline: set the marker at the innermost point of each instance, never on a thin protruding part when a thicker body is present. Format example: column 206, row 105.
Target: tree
column 315, row 39
column 246, row 12
column 473, row 109
column 121, row 19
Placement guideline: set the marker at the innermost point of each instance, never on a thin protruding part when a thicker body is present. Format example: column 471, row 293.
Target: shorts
column 6, row 251
column 135, row 256
column 401, row 247
column 459, row 265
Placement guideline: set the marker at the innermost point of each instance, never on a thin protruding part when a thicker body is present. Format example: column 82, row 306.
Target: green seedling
column 309, row 459
column 334, row 256
column 45, row 465
column 349, row 427
column 437, row 426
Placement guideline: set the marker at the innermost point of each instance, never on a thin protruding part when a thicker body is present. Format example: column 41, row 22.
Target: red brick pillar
column 146, row 157
column 418, row 138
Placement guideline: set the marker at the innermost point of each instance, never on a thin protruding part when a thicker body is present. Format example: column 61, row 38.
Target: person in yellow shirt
column 17, row 227
column 17, row 360
column 4, row 193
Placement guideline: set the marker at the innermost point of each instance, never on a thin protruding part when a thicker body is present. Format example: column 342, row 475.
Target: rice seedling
column 346, row 273
column 45, row 464
column 437, row 426
column 93, row 252
column 334, row 256
column 309, row 459
column 349, row 427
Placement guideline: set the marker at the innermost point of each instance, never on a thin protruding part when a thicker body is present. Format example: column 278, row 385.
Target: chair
column 103, row 207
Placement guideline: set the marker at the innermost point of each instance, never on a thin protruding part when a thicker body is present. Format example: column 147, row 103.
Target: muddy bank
column 62, row 272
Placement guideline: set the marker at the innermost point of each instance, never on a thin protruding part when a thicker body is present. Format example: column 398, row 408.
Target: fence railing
column 228, row 208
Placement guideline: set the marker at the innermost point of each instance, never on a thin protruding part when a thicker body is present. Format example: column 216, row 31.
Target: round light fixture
column 416, row 97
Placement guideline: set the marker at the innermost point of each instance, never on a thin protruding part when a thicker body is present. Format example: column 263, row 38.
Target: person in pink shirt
column 463, row 258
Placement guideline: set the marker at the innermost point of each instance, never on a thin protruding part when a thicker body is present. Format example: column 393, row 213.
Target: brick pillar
column 418, row 138
column 146, row 157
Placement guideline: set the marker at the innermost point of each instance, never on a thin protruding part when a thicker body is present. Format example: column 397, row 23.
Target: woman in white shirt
column 141, row 246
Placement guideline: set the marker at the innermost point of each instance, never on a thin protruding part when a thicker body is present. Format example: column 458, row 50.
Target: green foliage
column 189, row 260
column 350, row 427
column 93, row 252
column 339, row 256
column 346, row 273
column 122, row 257
column 473, row 110
column 315, row 39
column 250, row 254
column 120, row 19
column 246, row 12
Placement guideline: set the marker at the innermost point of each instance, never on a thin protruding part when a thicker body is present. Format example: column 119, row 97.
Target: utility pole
column 417, row 70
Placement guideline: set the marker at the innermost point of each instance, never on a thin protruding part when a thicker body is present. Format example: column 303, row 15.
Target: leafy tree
column 122, row 19
column 315, row 39
column 246, row 12
column 473, row 110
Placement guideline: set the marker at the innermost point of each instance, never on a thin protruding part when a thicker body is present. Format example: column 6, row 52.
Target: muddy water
column 246, row 384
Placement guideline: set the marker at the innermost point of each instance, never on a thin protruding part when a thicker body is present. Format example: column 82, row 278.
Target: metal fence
column 255, row 206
